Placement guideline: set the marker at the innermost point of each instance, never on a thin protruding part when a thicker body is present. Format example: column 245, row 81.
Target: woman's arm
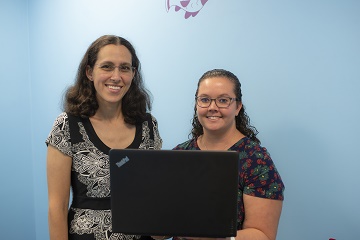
column 58, row 179
column 261, row 218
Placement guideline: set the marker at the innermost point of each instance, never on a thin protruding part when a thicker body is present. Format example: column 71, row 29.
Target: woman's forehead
column 220, row 85
column 114, row 52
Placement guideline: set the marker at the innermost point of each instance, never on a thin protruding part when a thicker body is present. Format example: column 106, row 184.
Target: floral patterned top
column 257, row 173
column 89, row 216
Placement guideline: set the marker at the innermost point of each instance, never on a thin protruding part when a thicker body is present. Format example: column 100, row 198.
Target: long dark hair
column 242, row 119
column 80, row 99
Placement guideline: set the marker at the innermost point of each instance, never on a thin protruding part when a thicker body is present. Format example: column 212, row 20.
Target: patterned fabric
column 89, row 215
column 258, row 176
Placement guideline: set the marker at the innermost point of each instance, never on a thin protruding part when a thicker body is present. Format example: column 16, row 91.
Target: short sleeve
column 59, row 136
column 258, row 174
column 157, row 137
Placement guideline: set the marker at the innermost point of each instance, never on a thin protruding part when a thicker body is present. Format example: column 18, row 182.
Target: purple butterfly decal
column 191, row 7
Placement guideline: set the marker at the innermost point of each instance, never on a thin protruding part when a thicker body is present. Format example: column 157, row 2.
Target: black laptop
column 174, row 192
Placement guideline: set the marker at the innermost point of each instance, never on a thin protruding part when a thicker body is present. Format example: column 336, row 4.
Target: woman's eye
column 107, row 67
column 223, row 100
column 125, row 68
column 205, row 100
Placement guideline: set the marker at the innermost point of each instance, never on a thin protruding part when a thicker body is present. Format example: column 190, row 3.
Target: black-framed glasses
column 221, row 102
column 124, row 69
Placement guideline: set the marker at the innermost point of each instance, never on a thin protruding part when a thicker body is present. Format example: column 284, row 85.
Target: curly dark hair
column 80, row 98
column 242, row 120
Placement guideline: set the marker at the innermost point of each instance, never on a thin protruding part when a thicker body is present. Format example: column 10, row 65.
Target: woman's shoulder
column 250, row 148
column 148, row 118
column 61, row 119
column 59, row 136
column 187, row 145
column 65, row 116
column 247, row 144
column 66, row 122
column 66, row 119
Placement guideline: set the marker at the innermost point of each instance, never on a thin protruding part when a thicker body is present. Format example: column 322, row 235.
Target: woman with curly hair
column 107, row 107
column 221, row 123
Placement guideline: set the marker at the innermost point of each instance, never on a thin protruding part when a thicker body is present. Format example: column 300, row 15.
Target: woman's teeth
column 114, row 87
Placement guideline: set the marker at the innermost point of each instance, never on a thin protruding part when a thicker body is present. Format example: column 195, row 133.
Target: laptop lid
column 174, row 192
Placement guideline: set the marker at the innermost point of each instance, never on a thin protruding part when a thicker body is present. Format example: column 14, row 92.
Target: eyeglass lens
column 221, row 102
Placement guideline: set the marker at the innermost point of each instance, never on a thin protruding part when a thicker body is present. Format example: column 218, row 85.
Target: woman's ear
column 239, row 106
column 89, row 71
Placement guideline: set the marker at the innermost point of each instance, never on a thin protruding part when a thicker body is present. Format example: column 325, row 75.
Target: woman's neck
column 109, row 112
column 209, row 141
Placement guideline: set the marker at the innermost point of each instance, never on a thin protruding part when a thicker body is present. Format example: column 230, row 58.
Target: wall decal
column 191, row 7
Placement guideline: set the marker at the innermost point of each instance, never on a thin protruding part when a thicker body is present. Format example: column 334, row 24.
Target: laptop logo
column 122, row 161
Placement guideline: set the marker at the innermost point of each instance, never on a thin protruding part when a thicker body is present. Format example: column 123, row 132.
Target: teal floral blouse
column 258, row 175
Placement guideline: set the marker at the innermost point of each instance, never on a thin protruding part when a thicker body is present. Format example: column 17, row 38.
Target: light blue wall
column 16, row 164
column 298, row 62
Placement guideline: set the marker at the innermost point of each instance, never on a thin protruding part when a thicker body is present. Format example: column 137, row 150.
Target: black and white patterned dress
column 89, row 215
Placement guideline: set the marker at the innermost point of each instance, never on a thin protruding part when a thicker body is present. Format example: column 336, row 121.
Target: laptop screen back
column 173, row 192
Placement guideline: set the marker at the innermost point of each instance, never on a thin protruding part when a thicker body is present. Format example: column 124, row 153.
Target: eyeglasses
column 124, row 69
column 221, row 102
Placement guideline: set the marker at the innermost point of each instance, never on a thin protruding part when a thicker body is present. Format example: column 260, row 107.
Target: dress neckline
column 230, row 148
column 94, row 138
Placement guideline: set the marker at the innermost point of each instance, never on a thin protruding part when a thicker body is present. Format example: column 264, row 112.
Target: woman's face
column 112, row 74
column 212, row 118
